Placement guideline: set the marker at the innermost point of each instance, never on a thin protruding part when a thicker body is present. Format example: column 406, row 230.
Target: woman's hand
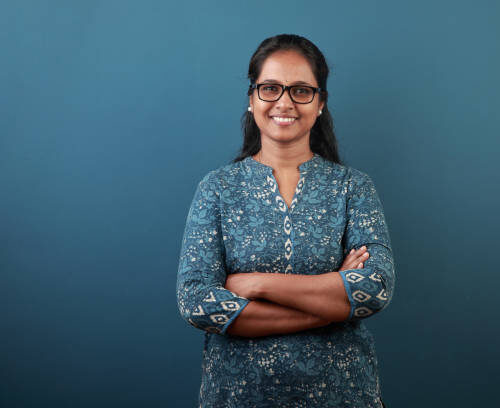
column 243, row 284
column 355, row 259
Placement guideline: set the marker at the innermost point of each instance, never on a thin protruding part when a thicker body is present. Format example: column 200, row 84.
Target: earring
column 320, row 112
column 249, row 109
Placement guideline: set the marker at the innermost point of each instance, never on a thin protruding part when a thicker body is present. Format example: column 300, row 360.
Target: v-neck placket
column 282, row 208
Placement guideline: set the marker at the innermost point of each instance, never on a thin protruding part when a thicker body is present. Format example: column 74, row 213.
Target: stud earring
column 320, row 112
column 249, row 109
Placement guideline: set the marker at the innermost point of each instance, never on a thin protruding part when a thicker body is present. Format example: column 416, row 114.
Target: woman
column 286, row 251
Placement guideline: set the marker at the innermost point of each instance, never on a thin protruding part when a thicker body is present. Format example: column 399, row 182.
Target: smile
column 283, row 121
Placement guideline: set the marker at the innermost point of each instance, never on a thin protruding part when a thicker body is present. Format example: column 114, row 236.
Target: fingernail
column 352, row 250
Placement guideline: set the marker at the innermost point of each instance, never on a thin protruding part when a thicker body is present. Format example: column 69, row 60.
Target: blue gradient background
column 112, row 111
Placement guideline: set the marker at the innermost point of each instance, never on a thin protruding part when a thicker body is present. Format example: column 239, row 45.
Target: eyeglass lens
column 299, row 94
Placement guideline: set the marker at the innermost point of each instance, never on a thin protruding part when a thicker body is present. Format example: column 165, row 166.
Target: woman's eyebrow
column 274, row 81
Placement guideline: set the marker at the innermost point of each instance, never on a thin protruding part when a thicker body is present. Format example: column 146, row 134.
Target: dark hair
column 322, row 138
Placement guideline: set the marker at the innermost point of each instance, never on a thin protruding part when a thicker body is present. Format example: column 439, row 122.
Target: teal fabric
column 238, row 222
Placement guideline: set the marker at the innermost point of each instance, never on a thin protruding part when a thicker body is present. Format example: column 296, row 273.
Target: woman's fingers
column 358, row 255
column 355, row 258
column 357, row 252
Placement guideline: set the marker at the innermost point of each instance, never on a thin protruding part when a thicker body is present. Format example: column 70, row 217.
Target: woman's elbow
column 370, row 290
column 370, row 302
column 198, row 321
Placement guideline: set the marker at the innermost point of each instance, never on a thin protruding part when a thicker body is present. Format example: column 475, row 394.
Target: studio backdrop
column 111, row 112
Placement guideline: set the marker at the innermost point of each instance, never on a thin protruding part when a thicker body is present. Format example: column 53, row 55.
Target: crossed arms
column 282, row 303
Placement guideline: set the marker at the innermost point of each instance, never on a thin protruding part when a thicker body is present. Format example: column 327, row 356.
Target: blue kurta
column 238, row 222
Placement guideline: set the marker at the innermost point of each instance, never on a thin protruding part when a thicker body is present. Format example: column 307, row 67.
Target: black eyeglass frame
column 286, row 88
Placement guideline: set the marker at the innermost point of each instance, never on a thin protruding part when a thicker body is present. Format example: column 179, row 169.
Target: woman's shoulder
column 352, row 179
column 230, row 172
column 344, row 171
column 223, row 175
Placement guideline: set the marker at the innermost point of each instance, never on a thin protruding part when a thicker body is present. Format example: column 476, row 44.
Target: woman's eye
column 270, row 88
column 302, row 90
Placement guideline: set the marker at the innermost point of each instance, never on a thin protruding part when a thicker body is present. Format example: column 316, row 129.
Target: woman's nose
column 285, row 102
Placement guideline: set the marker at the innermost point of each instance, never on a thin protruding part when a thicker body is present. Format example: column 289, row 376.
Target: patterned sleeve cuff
column 366, row 291
column 347, row 287
column 243, row 304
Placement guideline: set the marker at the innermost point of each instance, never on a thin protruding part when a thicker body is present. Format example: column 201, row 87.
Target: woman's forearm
column 263, row 318
column 322, row 295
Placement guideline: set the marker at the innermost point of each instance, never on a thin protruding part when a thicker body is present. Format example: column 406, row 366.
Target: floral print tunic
column 238, row 222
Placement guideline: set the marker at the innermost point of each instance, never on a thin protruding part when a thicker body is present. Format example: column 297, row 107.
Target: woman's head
column 292, row 58
column 281, row 116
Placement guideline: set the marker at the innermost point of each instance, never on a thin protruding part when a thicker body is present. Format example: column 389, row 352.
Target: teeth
column 283, row 119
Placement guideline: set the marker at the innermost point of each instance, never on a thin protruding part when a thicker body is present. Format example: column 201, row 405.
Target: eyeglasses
column 298, row 93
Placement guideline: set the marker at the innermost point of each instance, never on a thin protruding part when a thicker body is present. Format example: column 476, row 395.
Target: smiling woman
column 285, row 251
column 278, row 115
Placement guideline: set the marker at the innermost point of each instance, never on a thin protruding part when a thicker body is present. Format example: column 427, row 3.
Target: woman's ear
column 320, row 107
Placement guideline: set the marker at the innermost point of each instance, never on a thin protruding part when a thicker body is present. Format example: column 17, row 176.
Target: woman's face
column 286, row 68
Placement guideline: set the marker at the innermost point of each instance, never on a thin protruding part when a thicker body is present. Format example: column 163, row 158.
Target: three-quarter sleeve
column 202, row 298
column 369, row 289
